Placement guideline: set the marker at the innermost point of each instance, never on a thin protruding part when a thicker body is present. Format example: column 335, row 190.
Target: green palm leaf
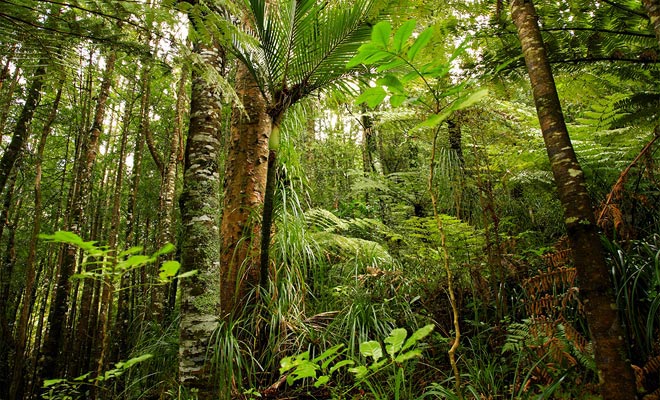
column 301, row 45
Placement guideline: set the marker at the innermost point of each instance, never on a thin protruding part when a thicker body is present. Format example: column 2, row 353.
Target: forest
column 329, row 199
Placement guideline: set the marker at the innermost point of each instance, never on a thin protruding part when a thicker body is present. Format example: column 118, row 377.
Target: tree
column 612, row 360
column 200, row 206
column 302, row 47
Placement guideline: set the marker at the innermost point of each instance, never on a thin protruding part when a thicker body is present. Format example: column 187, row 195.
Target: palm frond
column 301, row 45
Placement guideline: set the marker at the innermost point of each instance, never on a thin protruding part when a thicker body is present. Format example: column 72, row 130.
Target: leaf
column 134, row 261
column 51, row 382
column 434, row 120
column 397, row 62
column 371, row 349
column 322, row 380
column 402, row 34
column 420, row 333
column 365, row 51
column 421, row 41
column 408, row 355
column 304, row 370
column 168, row 270
column 398, row 99
column 380, row 34
column 395, row 340
column 340, row 364
column 360, row 372
column 168, row 248
column 372, row 96
column 132, row 250
column 471, row 99
column 392, row 82
column 187, row 274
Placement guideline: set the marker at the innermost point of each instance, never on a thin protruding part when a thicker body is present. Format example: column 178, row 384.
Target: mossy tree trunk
column 616, row 377
column 200, row 241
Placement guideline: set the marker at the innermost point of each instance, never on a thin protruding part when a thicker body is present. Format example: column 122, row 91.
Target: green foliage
column 636, row 276
column 62, row 389
column 399, row 350
column 117, row 265
column 401, row 74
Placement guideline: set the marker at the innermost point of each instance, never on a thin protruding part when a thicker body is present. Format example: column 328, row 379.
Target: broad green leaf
column 132, row 250
column 408, row 355
column 188, row 274
column 397, row 62
column 51, row 382
column 395, row 340
column 168, row 270
column 392, row 82
column 434, row 120
column 371, row 349
column 421, row 41
column 410, row 76
column 372, row 96
column 376, row 57
column 340, row 364
column 398, row 99
column 168, row 248
column 402, row 34
column 322, row 380
column 134, row 261
column 471, row 99
column 360, row 372
column 330, row 352
column 380, row 34
column 303, row 370
column 286, row 364
column 365, row 51
column 417, row 335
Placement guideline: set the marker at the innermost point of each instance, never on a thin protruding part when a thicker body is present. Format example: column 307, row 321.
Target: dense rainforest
column 329, row 199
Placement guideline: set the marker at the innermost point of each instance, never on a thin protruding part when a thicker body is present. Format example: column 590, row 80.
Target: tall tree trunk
column 121, row 321
column 7, row 101
column 245, row 183
column 7, row 345
column 166, row 232
column 22, row 128
column 200, row 242
column 17, row 382
column 612, row 361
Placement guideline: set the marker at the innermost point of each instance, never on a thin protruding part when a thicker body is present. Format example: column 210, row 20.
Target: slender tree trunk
column 22, row 128
column 121, row 321
column 200, row 242
column 166, row 232
column 612, row 361
column 245, row 183
column 368, row 142
column 7, row 345
column 18, row 383
column 7, row 101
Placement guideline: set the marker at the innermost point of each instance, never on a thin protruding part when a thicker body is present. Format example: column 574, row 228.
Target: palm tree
column 300, row 46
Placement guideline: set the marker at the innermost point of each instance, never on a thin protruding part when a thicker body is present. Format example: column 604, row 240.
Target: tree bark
column 200, row 244
column 22, row 128
column 167, row 196
column 653, row 10
column 246, row 170
column 611, row 352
